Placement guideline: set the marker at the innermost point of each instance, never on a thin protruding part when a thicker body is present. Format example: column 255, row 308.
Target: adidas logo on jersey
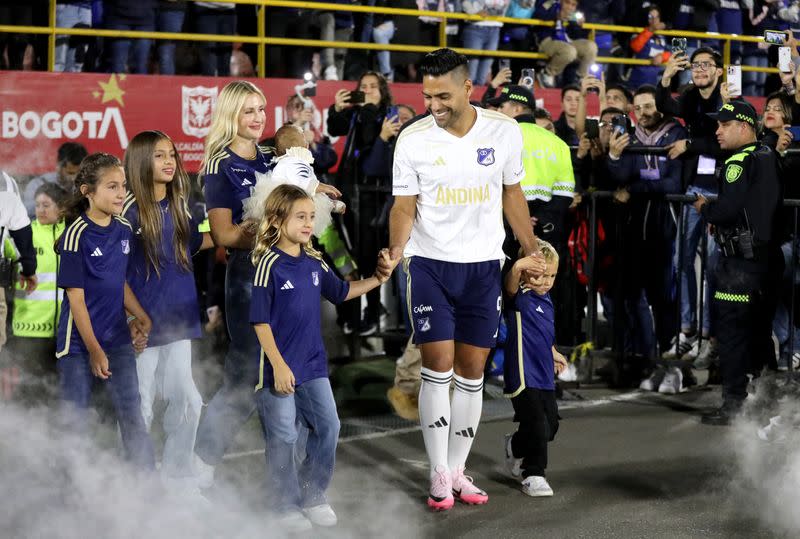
column 287, row 285
column 246, row 182
column 539, row 309
column 97, row 252
column 439, row 162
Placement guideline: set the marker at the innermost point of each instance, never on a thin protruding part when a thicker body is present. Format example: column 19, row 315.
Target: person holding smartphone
column 358, row 114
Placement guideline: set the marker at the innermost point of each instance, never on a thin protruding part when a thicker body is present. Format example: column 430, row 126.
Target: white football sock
column 434, row 414
column 465, row 416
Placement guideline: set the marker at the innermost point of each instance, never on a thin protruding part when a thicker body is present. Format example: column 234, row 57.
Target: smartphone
column 735, row 81
column 527, row 77
column 678, row 45
column 503, row 63
column 356, row 96
column 592, row 129
column 620, row 124
column 775, row 37
column 391, row 112
column 784, row 59
column 795, row 131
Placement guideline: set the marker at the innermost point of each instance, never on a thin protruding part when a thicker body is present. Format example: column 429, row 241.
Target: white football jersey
column 459, row 186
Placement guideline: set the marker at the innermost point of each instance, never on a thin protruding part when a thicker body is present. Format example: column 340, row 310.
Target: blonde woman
column 232, row 159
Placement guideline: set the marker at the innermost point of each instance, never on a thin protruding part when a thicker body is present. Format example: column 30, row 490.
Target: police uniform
column 744, row 217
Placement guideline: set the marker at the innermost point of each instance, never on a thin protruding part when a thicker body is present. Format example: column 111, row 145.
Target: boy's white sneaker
column 513, row 465
column 204, row 473
column 536, row 486
column 321, row 515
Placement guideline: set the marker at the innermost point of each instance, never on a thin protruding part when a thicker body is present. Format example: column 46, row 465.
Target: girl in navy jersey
column 293, row 381
column 93, row 334
column 232, row 159
column 160, row 275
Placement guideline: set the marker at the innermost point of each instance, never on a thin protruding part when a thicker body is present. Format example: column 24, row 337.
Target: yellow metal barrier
column 263, row 40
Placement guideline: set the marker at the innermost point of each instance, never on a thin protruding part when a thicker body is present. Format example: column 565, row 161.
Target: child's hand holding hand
column 533, row 264
column 284, row 378
column 559, row 362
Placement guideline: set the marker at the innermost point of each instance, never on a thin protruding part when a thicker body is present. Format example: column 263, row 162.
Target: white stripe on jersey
column 459, row 186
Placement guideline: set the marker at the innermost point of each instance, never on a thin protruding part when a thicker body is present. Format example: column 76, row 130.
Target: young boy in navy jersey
column 531, row 364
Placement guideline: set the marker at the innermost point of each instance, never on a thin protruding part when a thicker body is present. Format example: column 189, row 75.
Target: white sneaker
column 672, row 382
column 774, row 432
column 294, row 522
column 331, row 73
column 204, row 477
column 321, row 515
column 570, row 374
column 707, row 356
column 677, row 350
column 536, row 486
column 513, row 465
column 652, row 383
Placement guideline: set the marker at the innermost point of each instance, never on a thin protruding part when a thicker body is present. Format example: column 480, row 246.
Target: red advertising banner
column 39, row 111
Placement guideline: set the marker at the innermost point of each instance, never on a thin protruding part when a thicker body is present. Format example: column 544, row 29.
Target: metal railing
column 262, row 39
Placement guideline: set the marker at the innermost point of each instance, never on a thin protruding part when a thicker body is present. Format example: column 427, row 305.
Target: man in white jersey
column 456, row 172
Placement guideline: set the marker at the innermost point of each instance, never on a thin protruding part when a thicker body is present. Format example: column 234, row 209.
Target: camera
column 678, row 45
column 620, row 124
column 306, row 90
column 356, row 97
column 592, row 129
column 775, row 37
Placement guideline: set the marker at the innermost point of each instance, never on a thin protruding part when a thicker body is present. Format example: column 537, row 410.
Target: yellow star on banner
column 111, row 91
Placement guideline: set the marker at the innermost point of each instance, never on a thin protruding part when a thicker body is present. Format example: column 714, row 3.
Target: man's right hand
column 617, row 144
column 676, row 64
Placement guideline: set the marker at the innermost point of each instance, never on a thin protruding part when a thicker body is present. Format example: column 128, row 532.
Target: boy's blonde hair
column 225, row 118
column 548, row 251
column 277, row 208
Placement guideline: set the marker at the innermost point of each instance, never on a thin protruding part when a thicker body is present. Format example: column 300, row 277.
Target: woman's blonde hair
column 225, row 118
column 277, row 208
column 138, row 163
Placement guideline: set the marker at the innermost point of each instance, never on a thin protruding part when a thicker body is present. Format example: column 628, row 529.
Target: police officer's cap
column 514, row 92
column 738, row 109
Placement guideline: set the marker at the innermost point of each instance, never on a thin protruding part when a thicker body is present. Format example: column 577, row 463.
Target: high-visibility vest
column 36, row 314
column 548, row 164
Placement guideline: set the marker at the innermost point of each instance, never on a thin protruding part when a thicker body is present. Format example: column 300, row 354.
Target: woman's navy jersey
column 170, row 297
column 94, row 258
column 529, row 348
column 229, row 179
column 286, row 295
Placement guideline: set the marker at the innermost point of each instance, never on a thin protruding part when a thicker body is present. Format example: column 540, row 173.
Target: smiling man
column 456, row 172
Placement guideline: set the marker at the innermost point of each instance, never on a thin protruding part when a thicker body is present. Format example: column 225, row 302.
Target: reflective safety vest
column 548, row 164
column 36, row 314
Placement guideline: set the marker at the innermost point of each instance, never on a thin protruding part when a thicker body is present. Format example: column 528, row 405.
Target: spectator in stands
column 518, row 37
column 727, row 19
column 702, row 156
column 565, row 125
column 648, row 46
column 651, row 225
column 70, row 155
column 13, row 46
column 215, row 18
column 565, row 42
column 502, row 78
column 382, row 33
column 169, row 18
column 544, row 119
column 482, row 35
column 760, row 15
column 124, row 15
column 335, row 26
column 617, row 96
column 362, row 124
column 71, row 15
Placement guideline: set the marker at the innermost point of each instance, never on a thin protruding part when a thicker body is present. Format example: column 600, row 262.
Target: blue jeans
column 312, row 405
column 233, row 403
column 727, row 21
column 482, row 38
column 216, row 57
column 168, row 20
column 693, row 226
column 123, row 386
column 753, row 82
column 69, row 16
column 383, row 34
column 122, row 52
column 781, row 323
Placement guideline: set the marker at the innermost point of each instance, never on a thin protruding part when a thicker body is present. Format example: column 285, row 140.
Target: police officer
column 744, row 218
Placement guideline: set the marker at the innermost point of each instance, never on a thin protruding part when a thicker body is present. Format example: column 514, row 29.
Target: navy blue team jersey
column 229, row 179
column 286, row 295
column 94, row 258
column 528, row 361
column 169, row 297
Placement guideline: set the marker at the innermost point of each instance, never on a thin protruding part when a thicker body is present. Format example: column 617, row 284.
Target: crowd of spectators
column 570, row 51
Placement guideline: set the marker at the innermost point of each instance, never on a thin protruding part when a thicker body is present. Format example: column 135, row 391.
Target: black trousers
column 536, row 411
column 744, row 304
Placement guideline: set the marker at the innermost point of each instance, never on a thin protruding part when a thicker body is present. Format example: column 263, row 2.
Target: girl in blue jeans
column 94, row 339
column 293, row 383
